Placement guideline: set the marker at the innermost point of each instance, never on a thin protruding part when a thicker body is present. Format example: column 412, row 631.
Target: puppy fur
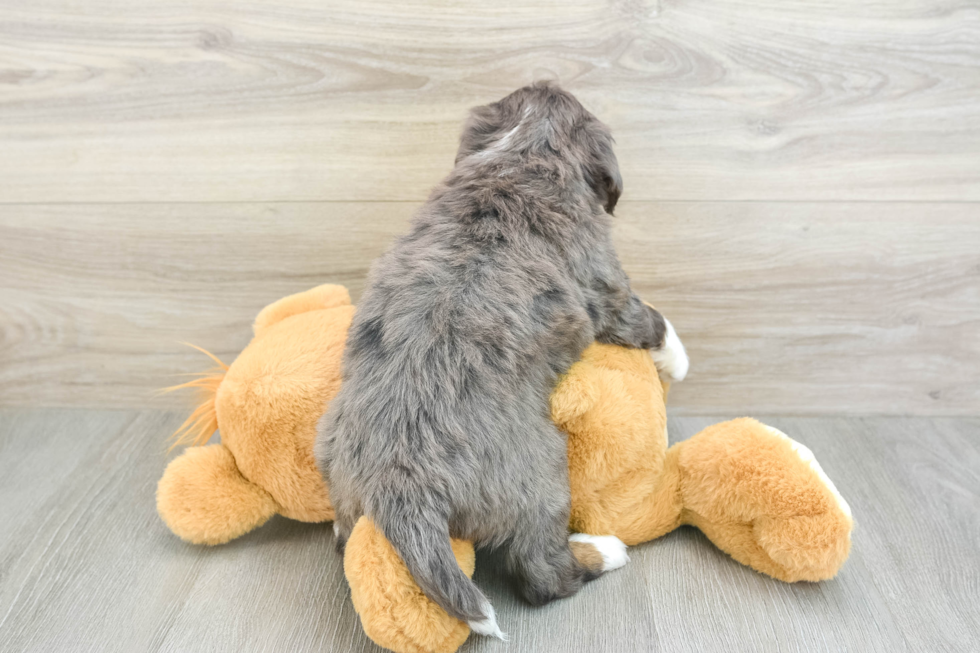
column 442, row 427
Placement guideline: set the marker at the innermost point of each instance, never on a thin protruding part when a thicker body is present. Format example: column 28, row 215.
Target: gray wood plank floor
column 86, row 565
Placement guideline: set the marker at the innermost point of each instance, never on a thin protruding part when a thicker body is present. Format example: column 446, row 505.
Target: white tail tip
column 488, row 627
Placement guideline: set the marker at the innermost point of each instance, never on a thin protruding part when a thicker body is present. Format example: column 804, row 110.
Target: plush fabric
column 744, row 484
column 394, row 611
column 753, row 491
column 266, row 406
column 204, row 499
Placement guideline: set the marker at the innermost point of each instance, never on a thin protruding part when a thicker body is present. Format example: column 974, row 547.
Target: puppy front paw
column 671, row 359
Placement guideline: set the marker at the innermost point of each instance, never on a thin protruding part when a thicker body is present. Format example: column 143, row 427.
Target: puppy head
column 544, row 120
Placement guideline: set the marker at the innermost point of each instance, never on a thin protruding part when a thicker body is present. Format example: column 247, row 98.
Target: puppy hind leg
column 598, row 553
column 540, row 558
column 549, row 565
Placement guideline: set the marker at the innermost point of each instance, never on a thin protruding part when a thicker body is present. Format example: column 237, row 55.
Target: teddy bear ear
column 326, row 296
column 575, row 394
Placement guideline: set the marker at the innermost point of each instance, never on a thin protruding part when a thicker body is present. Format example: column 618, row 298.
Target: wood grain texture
column 87, row 565
column 791, row 308
column 211, row 100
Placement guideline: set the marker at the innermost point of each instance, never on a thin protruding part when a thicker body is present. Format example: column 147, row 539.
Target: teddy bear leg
column 394, row 611
column 204, row 499
column 549, row 564
column 762, row 498
column 326, row 296
column 649, row 503
column 795, row 549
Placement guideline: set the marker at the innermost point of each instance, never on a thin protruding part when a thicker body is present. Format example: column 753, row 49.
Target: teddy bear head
column 265, row 407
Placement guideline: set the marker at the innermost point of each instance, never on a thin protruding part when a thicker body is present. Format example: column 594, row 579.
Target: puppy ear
column 602, row 167
column 482, row 127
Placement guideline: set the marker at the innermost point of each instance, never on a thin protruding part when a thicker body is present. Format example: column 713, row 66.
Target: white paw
column 807, row 456
column 487, row 627
column 671, row 359
column 610, row 547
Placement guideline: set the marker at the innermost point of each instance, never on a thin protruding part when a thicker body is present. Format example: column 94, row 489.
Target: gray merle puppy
column 442, row 425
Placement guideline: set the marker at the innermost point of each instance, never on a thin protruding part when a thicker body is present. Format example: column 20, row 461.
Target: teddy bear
column 755, row 493
column 266, row 406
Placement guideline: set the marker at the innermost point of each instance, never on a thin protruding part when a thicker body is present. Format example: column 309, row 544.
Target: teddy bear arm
column 325, row 296
column 204, row 499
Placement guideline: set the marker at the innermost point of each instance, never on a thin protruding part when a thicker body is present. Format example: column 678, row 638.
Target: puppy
column 442, row 425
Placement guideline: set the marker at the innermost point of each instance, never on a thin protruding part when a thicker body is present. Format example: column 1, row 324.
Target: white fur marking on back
column 807, row 456
column 610, row 547
column 488, row 627
column 671, row 359
column 504, row 141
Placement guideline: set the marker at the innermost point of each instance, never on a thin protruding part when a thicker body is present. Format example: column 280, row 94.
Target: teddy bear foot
column 809, row 547
column 762, row 498
column 394, row 611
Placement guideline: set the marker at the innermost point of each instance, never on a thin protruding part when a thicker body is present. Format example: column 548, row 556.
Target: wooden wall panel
column 802, row 179
column 211, row 100
column 792, row 308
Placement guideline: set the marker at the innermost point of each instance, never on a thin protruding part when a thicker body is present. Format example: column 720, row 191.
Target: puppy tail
column 421, row 538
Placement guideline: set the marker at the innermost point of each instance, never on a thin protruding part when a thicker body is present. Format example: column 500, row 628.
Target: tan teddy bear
column 755, row 493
